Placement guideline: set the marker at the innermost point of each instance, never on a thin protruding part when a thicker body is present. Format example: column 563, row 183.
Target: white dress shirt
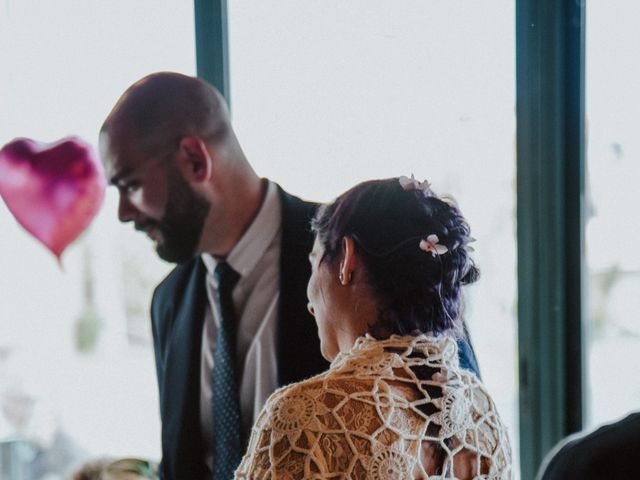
column 256, row 257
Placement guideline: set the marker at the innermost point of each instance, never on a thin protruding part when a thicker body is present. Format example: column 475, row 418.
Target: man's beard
column 183, row 221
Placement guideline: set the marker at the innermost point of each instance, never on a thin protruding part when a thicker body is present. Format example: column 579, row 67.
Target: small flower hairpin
column 432, row 245
column 413, row 184
column 468, row 247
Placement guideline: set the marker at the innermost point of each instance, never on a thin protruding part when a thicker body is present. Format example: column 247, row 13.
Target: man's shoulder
column 176, row 281
column 610, row 448
column 297, row 237
column 294, row 199
column 294, row 207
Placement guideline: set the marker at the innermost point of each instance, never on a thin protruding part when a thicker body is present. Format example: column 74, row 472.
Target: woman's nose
column 311, row 310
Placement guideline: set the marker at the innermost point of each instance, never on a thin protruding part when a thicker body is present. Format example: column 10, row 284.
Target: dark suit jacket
column 177, row 313
column 611, row 452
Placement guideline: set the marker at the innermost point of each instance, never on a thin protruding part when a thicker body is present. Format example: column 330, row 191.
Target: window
column 326, row 94
column 613, row 257
column 76, row 363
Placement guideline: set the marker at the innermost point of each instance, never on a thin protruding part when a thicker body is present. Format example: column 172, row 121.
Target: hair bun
column 413, row 246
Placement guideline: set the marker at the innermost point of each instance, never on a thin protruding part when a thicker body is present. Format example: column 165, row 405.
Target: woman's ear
column 348, row 263
column 193, row 159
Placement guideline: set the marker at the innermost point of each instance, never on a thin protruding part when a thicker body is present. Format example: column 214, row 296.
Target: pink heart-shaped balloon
column 54, row 190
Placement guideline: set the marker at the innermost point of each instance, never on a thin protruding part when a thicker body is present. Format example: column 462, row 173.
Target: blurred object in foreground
column 122, row 469
column 33, row 445
column 53, row 190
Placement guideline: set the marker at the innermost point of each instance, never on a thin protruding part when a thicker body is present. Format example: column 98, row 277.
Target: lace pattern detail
column 293, row 413
column 399, row 408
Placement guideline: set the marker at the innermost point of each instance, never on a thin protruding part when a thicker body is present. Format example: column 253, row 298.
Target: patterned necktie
column 227, row 442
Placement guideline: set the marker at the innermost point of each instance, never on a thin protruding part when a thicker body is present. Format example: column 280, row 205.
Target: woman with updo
column 389, row 262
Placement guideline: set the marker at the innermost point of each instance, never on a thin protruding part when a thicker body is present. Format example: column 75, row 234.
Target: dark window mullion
column 212, row 44
column 550, row 171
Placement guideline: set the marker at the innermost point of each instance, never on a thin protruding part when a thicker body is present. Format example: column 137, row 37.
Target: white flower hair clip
column 432, row 245
column 468, row 247
column 413, row 184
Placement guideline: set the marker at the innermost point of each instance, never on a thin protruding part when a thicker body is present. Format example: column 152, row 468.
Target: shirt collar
column 253, row 244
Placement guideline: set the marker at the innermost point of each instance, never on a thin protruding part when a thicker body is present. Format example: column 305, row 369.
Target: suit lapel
column 181, row 405
column 298, row 344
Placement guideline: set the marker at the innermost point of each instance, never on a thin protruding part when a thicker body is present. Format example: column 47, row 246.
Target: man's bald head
column 155, row 112
column 182, row 177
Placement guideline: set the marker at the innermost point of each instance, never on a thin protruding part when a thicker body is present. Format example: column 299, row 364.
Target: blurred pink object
column 54, row 190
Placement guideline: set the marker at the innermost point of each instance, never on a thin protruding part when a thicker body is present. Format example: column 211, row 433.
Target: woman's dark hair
column 416, row 290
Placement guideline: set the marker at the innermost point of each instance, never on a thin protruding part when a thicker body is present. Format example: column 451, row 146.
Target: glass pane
column 329, row 93
column 76, row 364
column 613, row 109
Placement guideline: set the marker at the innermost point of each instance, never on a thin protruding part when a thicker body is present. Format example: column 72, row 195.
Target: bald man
column 183, row 179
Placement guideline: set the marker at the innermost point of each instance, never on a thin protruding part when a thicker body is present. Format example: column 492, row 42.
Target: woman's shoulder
column 321, row 388
column 297, row 388
column 310, row 403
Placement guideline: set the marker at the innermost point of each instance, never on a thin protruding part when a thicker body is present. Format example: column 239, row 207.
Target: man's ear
column 348, row 263
column 194, row 160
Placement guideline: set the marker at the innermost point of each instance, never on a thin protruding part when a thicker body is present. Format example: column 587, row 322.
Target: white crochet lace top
column 399, row 408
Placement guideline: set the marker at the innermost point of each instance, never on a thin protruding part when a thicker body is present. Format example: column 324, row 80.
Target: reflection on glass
column 77, row 376
column 340, row 92
column 613, row 256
